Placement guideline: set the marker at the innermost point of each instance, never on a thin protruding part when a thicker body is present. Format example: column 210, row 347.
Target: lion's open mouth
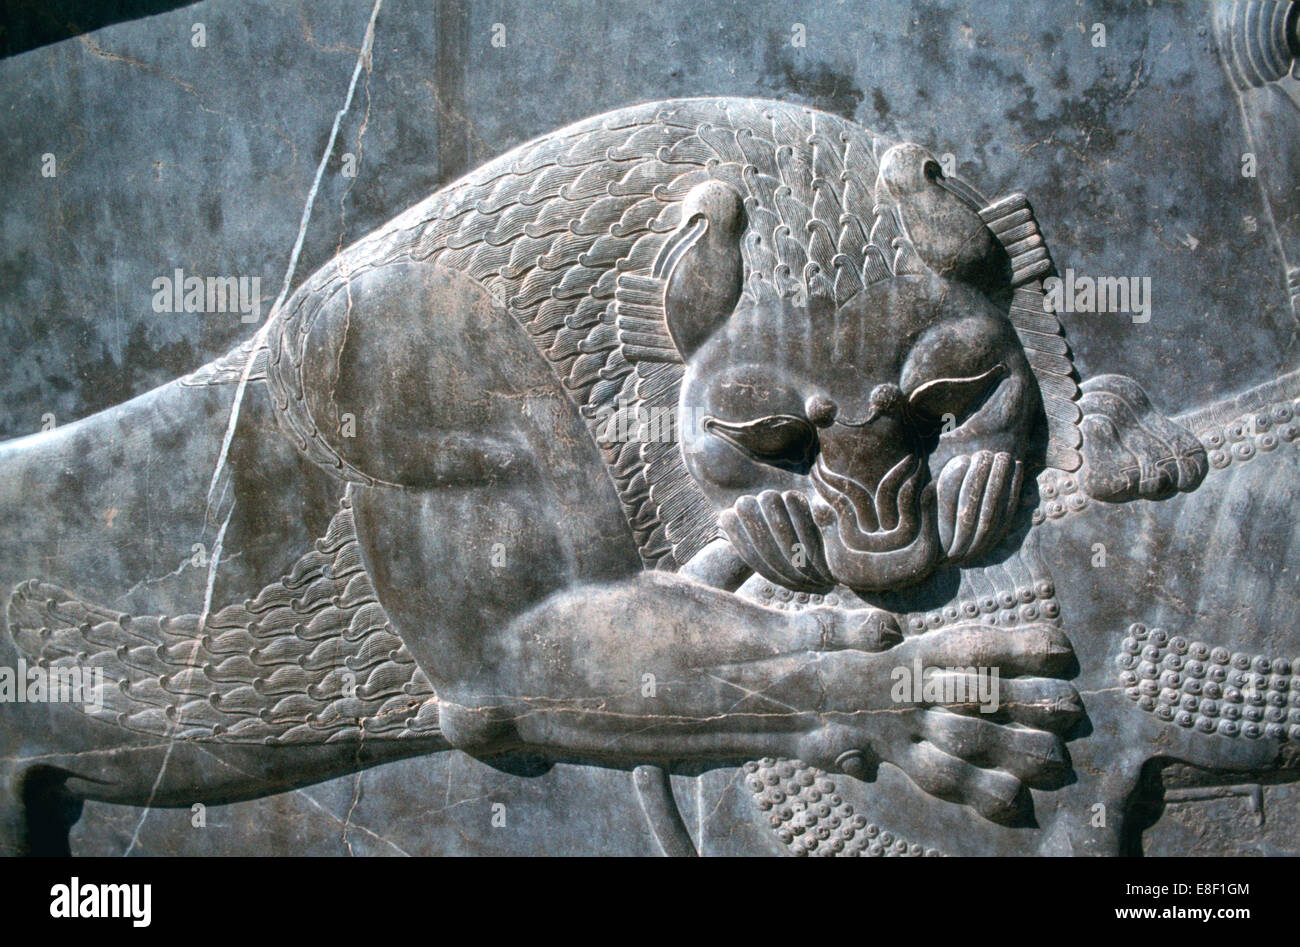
column 879, row 521
column 881, row 539
column 848, row 534
column 872, row 540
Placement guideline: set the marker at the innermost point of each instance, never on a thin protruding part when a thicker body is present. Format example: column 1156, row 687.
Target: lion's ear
column 694, row 284
column 702, row 265
column 942, row 222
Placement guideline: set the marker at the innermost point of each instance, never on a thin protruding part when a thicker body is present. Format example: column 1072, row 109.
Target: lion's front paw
column 972, row 714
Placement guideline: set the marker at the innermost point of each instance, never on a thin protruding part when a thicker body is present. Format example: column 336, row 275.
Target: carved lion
column 669, row 436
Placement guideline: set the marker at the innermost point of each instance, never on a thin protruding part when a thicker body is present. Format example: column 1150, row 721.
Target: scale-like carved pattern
column 312, row 659
column 1207, row 689
column 811, row 818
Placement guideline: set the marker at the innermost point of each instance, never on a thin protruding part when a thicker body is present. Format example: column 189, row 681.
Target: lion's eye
column 959, row 397
column 785, row 441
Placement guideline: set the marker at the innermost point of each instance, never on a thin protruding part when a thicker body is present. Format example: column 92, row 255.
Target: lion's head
column 857, row 402
column 881, row 439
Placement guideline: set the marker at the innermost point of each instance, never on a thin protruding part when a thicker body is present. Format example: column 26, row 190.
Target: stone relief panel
column 715, row 470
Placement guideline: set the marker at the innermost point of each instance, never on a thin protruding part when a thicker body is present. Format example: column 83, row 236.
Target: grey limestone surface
column 1153, row 142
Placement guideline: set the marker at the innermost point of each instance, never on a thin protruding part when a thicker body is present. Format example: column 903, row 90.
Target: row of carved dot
column 1153, row 643
column 1204, row 716
column 1059, row 495
column 1042, row 589
column 1258, row 433
column 810, row 818
column 1253, row 690
column 1213, row 707
column 1203, row 661
column 1004, row 605
column 1170, row 678
column 782, row 594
